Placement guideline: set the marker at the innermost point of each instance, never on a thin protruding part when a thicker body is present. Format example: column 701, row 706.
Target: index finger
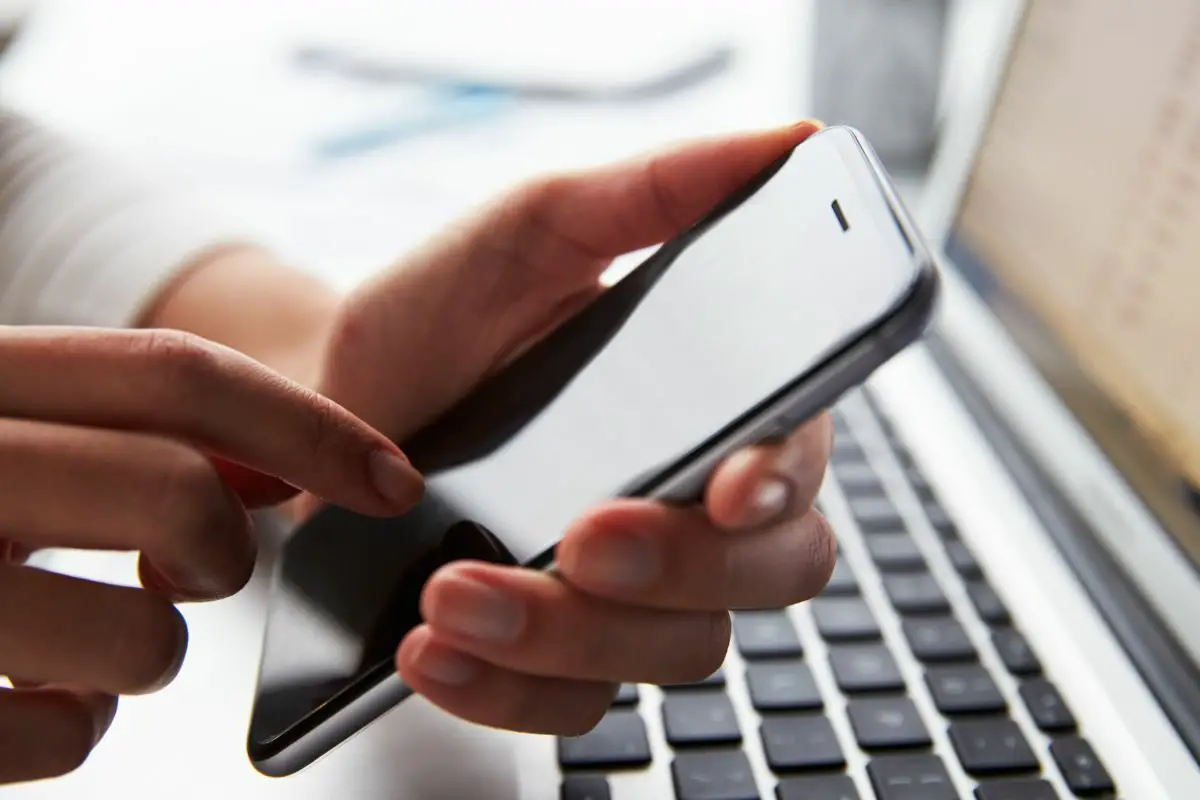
column 179, row 385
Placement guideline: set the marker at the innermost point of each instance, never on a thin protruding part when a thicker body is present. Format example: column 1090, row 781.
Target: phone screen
column 803, row 262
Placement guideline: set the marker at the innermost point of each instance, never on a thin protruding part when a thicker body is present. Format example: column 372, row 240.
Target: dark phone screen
column 700, row 334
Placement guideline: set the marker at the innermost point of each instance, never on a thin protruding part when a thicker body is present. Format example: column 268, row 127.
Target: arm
column 86, row 241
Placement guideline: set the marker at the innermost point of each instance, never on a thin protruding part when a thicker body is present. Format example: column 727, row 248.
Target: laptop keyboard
column 906, row 679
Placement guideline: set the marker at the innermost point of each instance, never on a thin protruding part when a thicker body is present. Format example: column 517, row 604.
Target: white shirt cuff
column 88, row 241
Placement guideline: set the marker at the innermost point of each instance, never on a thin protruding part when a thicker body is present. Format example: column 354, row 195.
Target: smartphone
column 789, row 293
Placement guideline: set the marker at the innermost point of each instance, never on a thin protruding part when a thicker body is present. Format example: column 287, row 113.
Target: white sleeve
column 84, row 240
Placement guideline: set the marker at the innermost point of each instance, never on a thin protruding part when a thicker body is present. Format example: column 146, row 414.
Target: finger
column 49, row 732
column 643, row 553
column 622, row 207
column 765, row 484
column 58, row 629
column 65, row 486
column 176, row 384
column 489, row 695
column 534, row 623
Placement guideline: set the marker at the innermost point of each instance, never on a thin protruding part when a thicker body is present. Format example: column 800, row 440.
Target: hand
column 644, row 590
column 117, row 441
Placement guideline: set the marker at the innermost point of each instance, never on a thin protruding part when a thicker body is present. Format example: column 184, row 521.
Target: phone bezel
column 378, row 690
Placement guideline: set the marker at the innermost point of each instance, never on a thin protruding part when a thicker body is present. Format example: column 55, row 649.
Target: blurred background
column 343, row 131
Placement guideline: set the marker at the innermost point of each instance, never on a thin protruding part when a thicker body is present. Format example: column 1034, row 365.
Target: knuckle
column 531, row 206
column 540, row 192
column 148, row 643
column 181, row 362
column 321, row 432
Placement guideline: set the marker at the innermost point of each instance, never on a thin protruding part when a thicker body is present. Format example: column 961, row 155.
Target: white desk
column 93, row 68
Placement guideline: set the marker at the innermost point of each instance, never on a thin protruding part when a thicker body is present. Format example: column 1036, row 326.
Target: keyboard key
column 695, row 718
column 713, row 775
column 857, row 479
column 965, row 689
column 895, row 552
column 987, row 603
column 1016, row 789
column 939, row 519
column 876, row 514
column 618, row 740
column 963, row 560
column 714, row 681
column 916, row 593
column 938, row 639
column 585, row 787
column 800, row 742
column 864, row 668
column 845, row 448
column 817, row 787
column 885, row 722
column 842, row 581
column 1015, row 652
column 920, row 484
column 991, row 746
column 1046, row 706
column 1080, row 767
column 627, row 695
column 782, row 686
column 766, row 634
column 910, row 777
column 842, row 619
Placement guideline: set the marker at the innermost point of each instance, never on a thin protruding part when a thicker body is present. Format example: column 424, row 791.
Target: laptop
column 1012, row 615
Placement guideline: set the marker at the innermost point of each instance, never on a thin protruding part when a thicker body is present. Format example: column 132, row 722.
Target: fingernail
column 768, row 501
column 473, row 609
column 810, row 123
column 619, row 560
column 445, row 665
column 394, row 477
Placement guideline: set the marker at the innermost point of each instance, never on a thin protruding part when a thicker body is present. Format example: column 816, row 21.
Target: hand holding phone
column 736, row 332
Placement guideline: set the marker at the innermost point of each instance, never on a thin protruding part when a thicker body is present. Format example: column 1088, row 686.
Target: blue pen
column 446, row 107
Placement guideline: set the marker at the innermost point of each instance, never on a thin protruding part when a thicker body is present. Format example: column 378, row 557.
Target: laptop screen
column 1080, row 227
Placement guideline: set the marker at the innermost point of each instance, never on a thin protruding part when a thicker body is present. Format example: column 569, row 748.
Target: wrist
column 244, row 298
